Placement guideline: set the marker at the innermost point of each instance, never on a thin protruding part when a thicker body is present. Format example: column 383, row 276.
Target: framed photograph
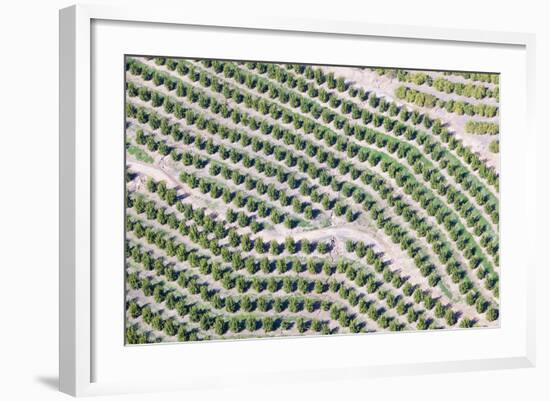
column 270, row 200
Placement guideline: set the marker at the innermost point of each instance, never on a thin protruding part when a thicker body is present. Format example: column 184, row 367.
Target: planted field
column 282, row 199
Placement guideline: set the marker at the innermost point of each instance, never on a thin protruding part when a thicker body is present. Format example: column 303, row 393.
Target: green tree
column 289, row 222
column 220, row 326
column 268, row 324
column 230, row 215
column 301, row 325
column 251, row 323
column 235, row 324
column 492, row 313
column 134, row 310
column 170, row 327
column 349, row 215
column 450, row 317
column 290, row 245
column 274, row 247
column 322, row 247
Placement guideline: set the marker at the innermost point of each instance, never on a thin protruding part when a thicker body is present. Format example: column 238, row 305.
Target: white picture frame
column 79, row 315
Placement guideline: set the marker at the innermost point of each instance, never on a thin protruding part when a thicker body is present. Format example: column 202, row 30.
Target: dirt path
column 158, row 173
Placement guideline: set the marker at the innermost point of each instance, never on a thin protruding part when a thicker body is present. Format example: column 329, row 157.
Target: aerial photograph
column 282, row 200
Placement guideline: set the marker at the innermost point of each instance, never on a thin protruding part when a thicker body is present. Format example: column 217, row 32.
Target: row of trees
column 337, row 208
column 459, row 107
column 241, row 199
column 481, row 128
column 223, row 325
column 188, row 158
column 220, row 231
column 315, row 89
column 277, row 305
column 216, row 227
column 482, row 197
column 421, row 296
column 296, row 304
column 232, row 304
column 478, row 76
column 416, row 118
column 441, row 84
